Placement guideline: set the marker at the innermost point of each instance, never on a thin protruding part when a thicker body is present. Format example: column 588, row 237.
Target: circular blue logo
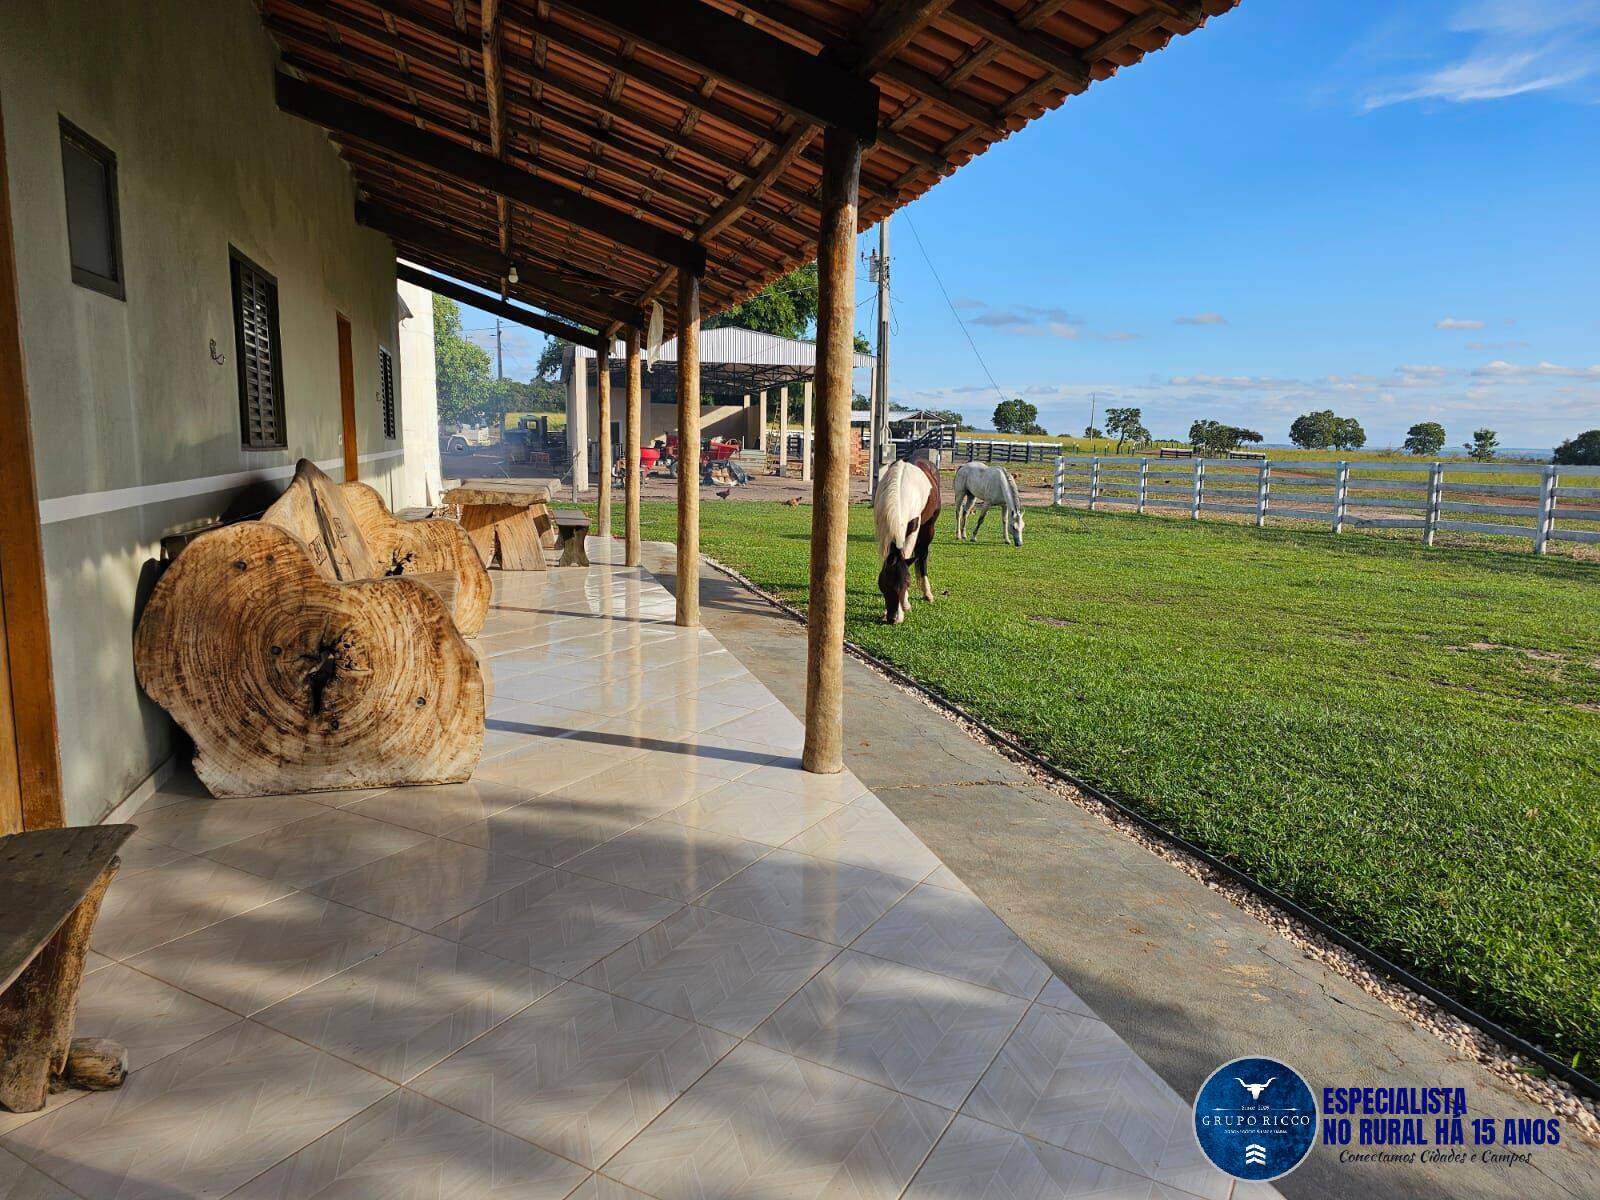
column 1255, row 1118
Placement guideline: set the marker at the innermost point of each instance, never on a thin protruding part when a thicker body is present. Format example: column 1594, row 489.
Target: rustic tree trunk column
column 630, row 450
column 805, row 434
column 688, row 448
column 830, row 499
column 602, row 524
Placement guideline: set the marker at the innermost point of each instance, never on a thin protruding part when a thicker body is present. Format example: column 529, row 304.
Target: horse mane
column 895, row 510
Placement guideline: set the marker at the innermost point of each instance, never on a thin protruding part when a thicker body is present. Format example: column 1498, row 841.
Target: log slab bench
column 51, row 885
column 508, row 521
column 572, row 527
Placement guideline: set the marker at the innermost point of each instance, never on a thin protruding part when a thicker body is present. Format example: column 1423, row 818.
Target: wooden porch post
column 830, row 503
column 630, row 450
column 602, row 525
column 688, row 612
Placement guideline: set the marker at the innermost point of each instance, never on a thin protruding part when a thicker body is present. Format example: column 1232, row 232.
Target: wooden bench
column 572, row 527
column 507, row 520
column 51, row 885
column 321, row 647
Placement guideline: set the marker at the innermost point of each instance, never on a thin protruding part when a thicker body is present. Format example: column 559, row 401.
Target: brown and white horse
column 905, row 511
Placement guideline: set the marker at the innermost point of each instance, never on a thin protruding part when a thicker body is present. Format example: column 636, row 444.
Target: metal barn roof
column 732, row 360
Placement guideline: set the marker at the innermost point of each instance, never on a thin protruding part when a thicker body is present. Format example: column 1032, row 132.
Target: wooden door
column 347, row 400
column 30, row 761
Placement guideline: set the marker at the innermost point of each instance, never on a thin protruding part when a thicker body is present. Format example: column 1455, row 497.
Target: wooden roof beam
column 996, row 24
column 354, row 119
column 465, row 250
column 889, row 29
column 494, row 91
column 814, row 88
column 511, row 312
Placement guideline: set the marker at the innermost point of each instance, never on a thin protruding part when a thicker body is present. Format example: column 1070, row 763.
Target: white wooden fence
column 1353, row 495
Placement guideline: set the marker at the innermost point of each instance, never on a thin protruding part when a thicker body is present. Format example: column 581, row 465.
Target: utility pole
column 499, row 358
column 1092, row 398
column 879, row 440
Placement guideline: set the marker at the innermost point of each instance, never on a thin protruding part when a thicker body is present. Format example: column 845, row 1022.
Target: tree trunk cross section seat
column 321, row 647
column 507, row 520
column 51, row 885
column 572, row 526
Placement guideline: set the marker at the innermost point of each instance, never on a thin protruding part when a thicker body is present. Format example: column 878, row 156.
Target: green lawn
column 1405, row 741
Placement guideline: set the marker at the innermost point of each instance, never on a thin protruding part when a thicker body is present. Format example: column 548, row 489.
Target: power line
column 953, row 312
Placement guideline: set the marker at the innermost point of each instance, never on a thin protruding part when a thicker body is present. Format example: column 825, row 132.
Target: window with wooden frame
column 94, row 234
column 386, row 390
column 258, row 350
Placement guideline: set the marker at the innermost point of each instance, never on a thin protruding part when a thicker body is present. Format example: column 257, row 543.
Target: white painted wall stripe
column 94, row 504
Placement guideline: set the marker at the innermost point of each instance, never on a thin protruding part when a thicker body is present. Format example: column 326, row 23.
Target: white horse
column 904, row 511
column 980, row 484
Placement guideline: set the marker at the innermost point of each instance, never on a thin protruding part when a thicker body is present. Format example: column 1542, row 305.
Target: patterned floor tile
column 598, row 1187
column 669, row 859
column 812, row 896
column 195, row 826
column 428, row 883
column 155, row 906
column 140, row 853
column 407, row 1146
column 787, row 777
column 579, row 1073
column 744, row 810
column 978, row 1160
column 433, row 809
column 410, row 1007
column 1058, row 995
column 200, row 1122
column 765, row 1126
column 146, row 1017
column 722, row 758
column 1070, row 1081
column 919, row 1033
column 559, row 922
column 943, row 876
column 557, row 762
column 551, row 829
column 19, row 1181
column 711, row 968
column 257, row 958
column 305, row 852
column 867, row 835
column 954, row 933
column 774, row 726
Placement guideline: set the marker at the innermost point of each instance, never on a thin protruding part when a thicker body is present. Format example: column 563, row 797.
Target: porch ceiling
column 597, row 144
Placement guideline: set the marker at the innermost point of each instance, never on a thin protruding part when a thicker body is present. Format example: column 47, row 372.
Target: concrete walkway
column 1188, row 980
column 640, row 954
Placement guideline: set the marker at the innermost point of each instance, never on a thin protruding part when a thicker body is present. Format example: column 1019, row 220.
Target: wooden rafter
column 511, row 312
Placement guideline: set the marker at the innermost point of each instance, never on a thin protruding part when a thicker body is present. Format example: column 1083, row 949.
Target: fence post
column 1199, row 488
column 1144, row 482
column 1341, row 495
column 1548, row 483
column 1263, row 483
column 1430, row 517
column 1094, row 482
column 1061, row 478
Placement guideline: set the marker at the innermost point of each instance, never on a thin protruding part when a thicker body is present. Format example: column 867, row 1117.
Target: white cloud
column 1458, row 323
column 1512, row 48
column 1500, row 369
column 1205, row 318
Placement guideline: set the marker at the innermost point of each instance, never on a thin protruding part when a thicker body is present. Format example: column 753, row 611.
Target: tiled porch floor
column 641, row 954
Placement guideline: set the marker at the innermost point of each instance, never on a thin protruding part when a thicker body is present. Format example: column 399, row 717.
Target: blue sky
column 1384, row 209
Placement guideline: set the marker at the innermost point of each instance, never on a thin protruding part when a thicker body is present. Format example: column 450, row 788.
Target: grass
column 1407, row 742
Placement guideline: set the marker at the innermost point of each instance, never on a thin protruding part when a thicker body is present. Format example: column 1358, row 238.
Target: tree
column 1348, row 434
column 1483, row 445
column 1016, row 416
column 1122, row 422
column 786, row 306
column 1213, row 437
column 1581, row 451
column 1425, row 438
column 1092, row 433
column 462, row 368
column 1313, row 431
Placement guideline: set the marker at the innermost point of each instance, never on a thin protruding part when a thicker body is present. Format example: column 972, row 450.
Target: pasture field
column 1406, row 742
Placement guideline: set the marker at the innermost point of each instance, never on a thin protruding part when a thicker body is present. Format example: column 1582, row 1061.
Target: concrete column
column 688, row 612
column 783, row 430
column 602, row 524
column 830, row 500
column 578, row 421
column 761, row 442
column 805, row 435
column 630, row 449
